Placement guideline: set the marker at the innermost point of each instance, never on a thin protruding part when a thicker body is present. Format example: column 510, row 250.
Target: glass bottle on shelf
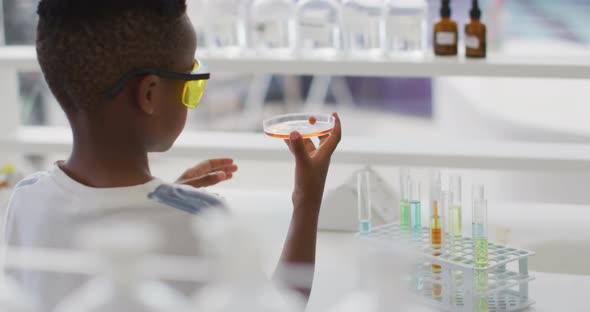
column 363, row 26
column 272, row 26
column 226, row 25
column 319, row 27
column 445, row 32
column 475, row 34
column 406, row 27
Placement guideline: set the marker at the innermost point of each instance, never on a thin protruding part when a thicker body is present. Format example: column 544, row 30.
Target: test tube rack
column 507, row 271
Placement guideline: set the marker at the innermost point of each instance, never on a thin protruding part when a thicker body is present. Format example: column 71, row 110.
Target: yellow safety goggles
column 194, row 85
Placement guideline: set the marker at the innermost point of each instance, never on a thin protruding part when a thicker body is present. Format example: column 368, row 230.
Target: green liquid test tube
column 480, row 233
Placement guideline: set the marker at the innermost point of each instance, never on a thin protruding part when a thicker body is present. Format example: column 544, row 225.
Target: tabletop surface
column 337, row 268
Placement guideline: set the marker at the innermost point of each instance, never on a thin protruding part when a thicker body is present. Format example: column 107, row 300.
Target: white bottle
column 197, row 12
column 363, row 26
column 121, row 287
column 272, row 26
column 226, row 25
column 406, row 27
column 319, row 27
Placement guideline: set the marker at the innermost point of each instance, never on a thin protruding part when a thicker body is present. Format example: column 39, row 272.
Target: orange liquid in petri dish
column 308, row 129
column 304, row 135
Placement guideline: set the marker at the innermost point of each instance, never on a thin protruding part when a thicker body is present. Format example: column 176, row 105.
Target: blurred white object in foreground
column 237, row 280
column 12, row 298
column 122, row 286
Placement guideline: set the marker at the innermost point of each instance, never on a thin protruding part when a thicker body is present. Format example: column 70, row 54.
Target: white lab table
column 337, row 267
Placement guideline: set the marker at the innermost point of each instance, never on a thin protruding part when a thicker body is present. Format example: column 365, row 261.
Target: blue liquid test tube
column 364, row 201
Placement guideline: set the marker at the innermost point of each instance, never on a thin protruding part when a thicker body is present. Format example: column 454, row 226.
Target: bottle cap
column 445, row 10
column 475, row 12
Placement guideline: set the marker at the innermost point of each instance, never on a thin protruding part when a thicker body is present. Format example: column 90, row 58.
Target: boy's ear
column 148, row 93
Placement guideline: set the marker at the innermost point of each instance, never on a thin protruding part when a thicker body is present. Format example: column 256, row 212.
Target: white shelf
column 572, row 66
column 419, row 152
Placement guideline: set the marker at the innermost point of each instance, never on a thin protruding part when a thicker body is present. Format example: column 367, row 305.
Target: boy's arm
column 311, row 170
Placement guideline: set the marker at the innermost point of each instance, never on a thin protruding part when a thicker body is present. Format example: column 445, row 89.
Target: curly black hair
column 84, row 46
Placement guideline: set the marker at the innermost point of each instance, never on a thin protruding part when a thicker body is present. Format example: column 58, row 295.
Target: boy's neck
column 101, row 164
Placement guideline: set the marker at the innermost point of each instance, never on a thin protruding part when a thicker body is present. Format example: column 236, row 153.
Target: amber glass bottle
column 475, row 34
column 445, row 32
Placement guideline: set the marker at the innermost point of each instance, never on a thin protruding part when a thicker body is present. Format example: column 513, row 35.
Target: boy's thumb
column 297, row 146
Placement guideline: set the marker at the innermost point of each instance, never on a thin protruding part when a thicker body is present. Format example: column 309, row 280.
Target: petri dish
column 309, row 125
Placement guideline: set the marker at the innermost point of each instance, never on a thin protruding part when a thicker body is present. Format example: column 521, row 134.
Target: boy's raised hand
column 311, row 166
column 208, row 173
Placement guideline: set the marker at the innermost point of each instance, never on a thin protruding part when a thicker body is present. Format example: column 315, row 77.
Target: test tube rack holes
column 507, row 288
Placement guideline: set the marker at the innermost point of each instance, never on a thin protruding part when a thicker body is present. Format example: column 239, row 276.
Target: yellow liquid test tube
column 455, row 226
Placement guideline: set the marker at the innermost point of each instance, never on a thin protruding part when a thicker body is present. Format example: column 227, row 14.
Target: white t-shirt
column 47, row 208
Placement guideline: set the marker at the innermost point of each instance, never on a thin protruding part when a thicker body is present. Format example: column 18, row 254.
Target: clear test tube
column 477, row 192
column 404, row 204
column 364, row 201
column 435, row 189
column 416, row 208
column 441, row 214
column 455, row 208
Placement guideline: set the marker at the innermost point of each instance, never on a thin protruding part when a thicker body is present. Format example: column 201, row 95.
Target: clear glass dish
column 307, row 124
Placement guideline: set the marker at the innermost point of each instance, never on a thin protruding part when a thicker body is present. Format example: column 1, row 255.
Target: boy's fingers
column 331, row 142
column 214, row 164
column 207, row 180
column 209, row 166
column 226, row 169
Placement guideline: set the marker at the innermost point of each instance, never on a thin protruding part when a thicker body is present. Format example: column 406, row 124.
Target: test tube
column 404, row 204
column 455, row 214
column 364, row 201
column 416, row 208
column 435, row 189
column 480, row 239
column 436, row 240
column 477, row 192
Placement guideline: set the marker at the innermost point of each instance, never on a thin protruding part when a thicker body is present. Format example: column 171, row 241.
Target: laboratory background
column 461, row 183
